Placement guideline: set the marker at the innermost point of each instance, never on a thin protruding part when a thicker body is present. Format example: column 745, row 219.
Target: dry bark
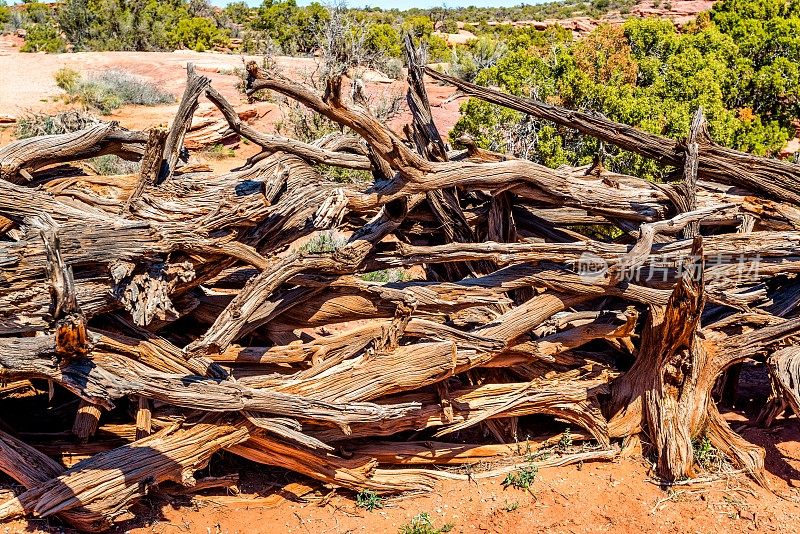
column 28, row 155
column 773, row 178
column 195, row 86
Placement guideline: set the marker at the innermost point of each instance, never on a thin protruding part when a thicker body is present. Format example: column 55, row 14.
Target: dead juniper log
column 20, row 158
column 29, row 467
column 195, row 85
column 108, row 481
column 349, row 331
column 773, row 178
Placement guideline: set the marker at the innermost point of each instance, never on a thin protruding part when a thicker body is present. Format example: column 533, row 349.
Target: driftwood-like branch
column 774, row 178
column 30, row 468
column 273, row 143
column 110, row 480
column 152, row 160
column 195, row 86
column 784, row 367
column 28, row 155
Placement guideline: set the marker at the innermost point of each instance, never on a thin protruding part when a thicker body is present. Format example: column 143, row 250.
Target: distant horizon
column 394, row 4
column 405, row 4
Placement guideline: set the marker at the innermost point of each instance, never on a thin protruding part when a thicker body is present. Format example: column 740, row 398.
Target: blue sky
column 405, row 4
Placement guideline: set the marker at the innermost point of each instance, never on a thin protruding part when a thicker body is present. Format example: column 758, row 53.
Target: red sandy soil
column 27, row 84
column 599, row 497
column 617, row 497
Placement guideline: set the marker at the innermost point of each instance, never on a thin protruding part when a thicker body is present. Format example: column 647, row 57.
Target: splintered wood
column 355, row 333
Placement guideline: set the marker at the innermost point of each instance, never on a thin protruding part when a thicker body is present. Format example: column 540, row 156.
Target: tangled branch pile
column 188, row 297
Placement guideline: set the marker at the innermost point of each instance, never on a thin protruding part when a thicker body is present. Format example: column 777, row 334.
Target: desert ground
column 35, row 90
column 596, row 497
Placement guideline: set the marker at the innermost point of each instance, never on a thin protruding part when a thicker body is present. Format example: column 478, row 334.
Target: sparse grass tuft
column 323, row 242
column 369, row 500
column 110, row 165
column 422, row 524
column 36, row 124
column 219, row 151
column 521, row 479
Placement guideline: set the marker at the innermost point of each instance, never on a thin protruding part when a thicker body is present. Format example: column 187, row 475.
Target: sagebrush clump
column 67, row 78
column 422, row 524
column 323, row 242
column 110, row 165
column 111, row 89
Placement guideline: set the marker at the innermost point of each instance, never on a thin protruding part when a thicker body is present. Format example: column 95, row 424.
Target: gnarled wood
column 28, row 155
column 195, row 86
column 774, row 178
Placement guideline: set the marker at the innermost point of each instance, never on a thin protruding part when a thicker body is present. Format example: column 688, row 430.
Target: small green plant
column 511, row 506
column 705, row 454
column 521, row 479
column 566, row 440
column 422, row 524
column 322, row 243
column 219, row 151
column 386, row 276
column 369, row 500
column 543, row 454
column 67, row 78
column 530, row 455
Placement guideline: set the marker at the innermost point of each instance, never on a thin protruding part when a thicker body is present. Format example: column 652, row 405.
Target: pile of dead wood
column 194, row 304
